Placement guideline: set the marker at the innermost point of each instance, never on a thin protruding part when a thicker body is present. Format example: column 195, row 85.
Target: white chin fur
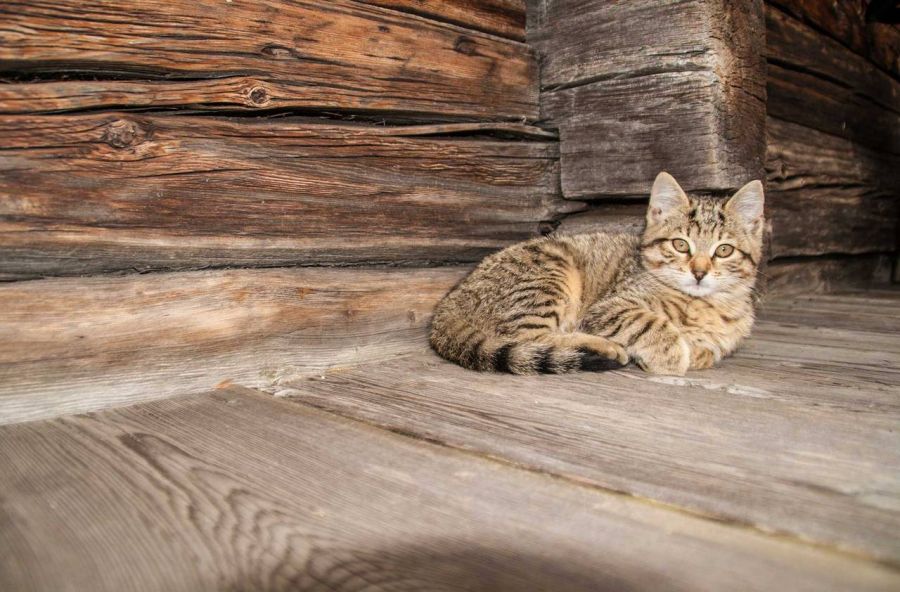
column 695, row 289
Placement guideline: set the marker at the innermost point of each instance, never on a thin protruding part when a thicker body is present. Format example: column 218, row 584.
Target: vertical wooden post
column 646, row 85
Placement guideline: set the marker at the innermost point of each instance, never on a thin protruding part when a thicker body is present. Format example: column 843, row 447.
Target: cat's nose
column 699, row 274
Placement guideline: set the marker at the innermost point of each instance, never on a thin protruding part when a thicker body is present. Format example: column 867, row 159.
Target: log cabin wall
column 197, row 192
column 155, row 156
column 833, row 157
column 690, row 85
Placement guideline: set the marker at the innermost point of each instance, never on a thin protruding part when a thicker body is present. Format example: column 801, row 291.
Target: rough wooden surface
column 796, row 435
column 505, row 18
column 103, row 192
column 236, row 491
column 604, row 217
column 639, row 87
column 817, row 220
column 77, row 344
column 819, row 83
column 805, row 275
column 268, row 54
column 845, row 21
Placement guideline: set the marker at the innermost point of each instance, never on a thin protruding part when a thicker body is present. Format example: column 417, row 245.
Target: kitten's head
column 700, row 245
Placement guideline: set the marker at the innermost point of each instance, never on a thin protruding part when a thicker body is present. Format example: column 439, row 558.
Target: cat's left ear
column 747, row 205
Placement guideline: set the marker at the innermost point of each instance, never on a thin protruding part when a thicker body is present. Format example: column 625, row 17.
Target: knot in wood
column 259, row 96
column 123, row 133
column 465, row 46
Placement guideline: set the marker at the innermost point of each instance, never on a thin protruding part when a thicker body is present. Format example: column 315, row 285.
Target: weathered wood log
column 845, row 21
column 799, row 156
column 819, row 83
column 244, row 492
column 611, row 218
column 827, row 194
column 70, row 345
column 104, row 192
column 338, row 54
column 817, row 220
column 505, row 18
column 690, row 103
column 805, row 275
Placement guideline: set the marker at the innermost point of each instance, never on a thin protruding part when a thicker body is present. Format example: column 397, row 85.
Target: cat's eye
column 724, row 251
column 680, row 245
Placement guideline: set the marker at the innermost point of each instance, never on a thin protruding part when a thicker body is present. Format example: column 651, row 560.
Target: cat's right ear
column 666, row 197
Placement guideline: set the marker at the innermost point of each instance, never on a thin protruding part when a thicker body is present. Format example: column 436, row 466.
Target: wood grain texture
column 105, row 192
column 77, row 344
column 821, row 84
column 796, row 434
column 505, row 18
column 845, row 21
column 236, row 491
column 639, row 87
column 804, row 275
column 338, row 54
column 611, row 218
column 810, row 275
column 821, row 220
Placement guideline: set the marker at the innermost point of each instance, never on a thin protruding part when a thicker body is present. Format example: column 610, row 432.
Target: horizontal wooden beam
column 505, row 18
column 640, row 87
column 827, row 194
column 806, row 275
column 845, row 21
column 816, row 81
column 339, row 54
column 105, row 192
column 610, row 218
column 71, row 345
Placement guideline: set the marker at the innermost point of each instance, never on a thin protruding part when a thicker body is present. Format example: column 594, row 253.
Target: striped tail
column 549, row 353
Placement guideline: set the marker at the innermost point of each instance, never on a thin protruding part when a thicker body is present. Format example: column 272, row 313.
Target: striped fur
column 596, row 301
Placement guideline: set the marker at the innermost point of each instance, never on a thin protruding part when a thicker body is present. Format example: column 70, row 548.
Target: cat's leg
column 601, row 347
column 650, row 339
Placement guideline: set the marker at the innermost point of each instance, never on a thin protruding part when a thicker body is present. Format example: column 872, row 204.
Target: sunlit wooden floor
column 779, row 470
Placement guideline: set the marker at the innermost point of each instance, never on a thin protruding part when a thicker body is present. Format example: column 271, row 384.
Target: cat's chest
column 700, row 320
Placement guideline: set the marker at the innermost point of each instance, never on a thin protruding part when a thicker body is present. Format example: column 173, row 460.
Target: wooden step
column 796, row 435
column 72, row 345
column 237, row 491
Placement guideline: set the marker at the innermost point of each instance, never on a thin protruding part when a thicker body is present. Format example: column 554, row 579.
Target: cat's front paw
column 673, row 361
column 702, row 358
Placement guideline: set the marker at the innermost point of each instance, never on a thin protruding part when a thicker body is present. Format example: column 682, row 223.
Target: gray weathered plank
column 757, row 448
column 237, row 491
column 639, row 87
column 338, row 54
column 77, row 344
column 105, row 192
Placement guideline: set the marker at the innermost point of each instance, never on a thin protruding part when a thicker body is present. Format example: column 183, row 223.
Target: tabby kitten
column 678, row 297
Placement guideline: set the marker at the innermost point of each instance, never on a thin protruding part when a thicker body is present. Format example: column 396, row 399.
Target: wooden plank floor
column 796, row 435
column 236, row 490
column 779, row 470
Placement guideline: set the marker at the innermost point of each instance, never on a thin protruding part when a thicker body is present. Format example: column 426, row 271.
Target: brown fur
column 596, row 301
